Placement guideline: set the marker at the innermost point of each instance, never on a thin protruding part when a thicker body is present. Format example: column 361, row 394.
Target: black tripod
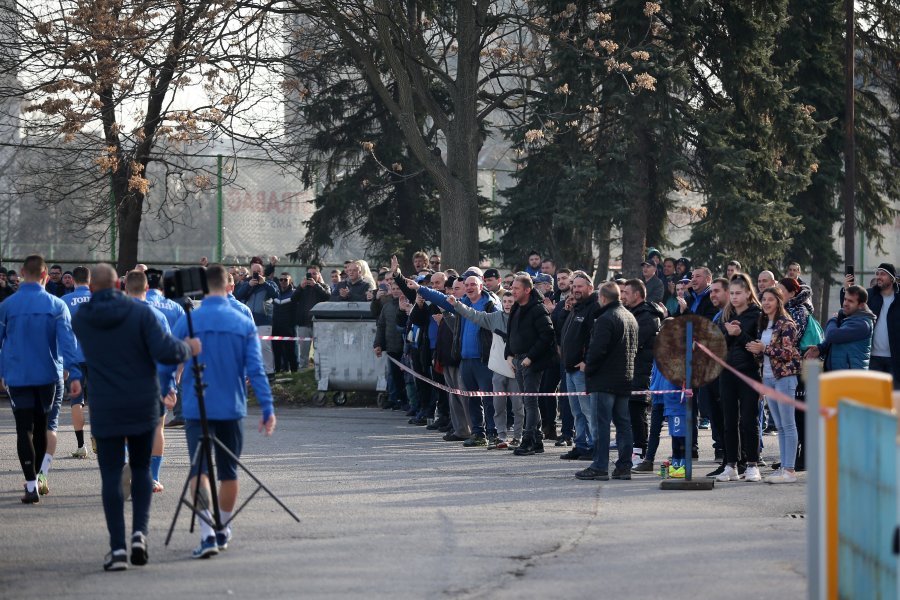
column 203, row 455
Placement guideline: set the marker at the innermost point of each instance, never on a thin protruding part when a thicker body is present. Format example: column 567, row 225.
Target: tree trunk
column 459, row 225
column 634, row 226
column 820, row 291
column 602, row 240
column 129, row 206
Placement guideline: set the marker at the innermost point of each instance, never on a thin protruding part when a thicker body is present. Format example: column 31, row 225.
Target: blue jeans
column 783, row 414
column 581, row 411
column 565, row 412
column 610, row 407
column 476, row 376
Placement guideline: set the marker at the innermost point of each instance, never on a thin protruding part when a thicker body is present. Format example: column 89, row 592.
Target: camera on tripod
column 187, row 283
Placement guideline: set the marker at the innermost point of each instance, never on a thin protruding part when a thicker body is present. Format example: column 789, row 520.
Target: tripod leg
column 256, row 480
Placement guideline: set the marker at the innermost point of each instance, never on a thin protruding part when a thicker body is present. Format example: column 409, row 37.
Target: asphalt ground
column 389, row 510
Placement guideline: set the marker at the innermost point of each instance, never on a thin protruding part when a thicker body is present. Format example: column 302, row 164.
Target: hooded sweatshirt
column 122, row 342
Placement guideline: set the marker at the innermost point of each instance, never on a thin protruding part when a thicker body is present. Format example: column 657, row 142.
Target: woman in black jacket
column 740, row 403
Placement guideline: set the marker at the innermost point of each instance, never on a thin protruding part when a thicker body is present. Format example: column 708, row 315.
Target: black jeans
column 657, row 415
column 637, row 410
column 285, row 353
column 399, row 383
column 424, row 391
column 529, row 381
column 740, row 409
column 111, row 457
column 547, row 404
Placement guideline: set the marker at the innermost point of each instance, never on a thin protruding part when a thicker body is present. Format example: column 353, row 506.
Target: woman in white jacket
column 504, row 378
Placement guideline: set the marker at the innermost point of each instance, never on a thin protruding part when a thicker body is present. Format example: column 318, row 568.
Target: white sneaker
column 752, row 474
column 729, row 474
column 636, row 459
column 783, row 477
column 80, row 453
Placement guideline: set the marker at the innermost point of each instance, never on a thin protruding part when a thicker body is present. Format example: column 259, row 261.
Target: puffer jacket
column 783, row 351
column 848, row 340
column 388, row 336
column 609, row 363
column 649, row 319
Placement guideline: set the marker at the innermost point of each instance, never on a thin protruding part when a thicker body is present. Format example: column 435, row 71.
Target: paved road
column 390, row 511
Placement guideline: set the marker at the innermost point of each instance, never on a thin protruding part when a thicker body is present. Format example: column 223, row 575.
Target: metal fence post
column 220, row 216
column 815, row 484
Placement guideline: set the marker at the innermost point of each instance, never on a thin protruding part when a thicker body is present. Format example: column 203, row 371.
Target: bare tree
column 109, row 87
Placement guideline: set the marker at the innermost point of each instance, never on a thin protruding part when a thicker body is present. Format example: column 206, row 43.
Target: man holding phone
column 311, row 291
column 886, row 337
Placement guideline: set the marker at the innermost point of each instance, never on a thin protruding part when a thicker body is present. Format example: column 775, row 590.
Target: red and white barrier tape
column 284, row 338
column 457, row 392
column 764, row 390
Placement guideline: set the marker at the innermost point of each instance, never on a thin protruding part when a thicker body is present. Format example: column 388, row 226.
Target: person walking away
column 122, row 342
column 609, row 370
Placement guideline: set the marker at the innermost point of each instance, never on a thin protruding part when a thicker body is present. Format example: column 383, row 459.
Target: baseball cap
column 542, row 278
column 647, row 263
column 492, row 272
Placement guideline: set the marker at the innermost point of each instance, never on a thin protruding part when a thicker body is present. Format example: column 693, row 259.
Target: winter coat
column 259, row 298
column 848, row 340
column 305, row 298
column 461, row 331
column 388, row 336
column 609, row 363
column 576, row 332
column 649, row 318
column 783, row 351
column 122, row 343
column 283, row 312
column 531, row 333
column 737, row 355
column 655, row 289
column 700, row 304
column 358, row 291
column 875, row 303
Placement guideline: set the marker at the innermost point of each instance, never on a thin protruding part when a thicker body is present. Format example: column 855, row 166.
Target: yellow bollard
column 871, row 388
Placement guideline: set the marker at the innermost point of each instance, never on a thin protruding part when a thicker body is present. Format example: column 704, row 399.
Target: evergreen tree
column 755, row 141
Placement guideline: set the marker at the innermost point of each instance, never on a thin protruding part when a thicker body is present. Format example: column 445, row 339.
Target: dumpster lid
column 341, row 310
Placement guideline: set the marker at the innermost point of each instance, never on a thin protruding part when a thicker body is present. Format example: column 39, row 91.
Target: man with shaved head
column 765, row 280
column 123, row 341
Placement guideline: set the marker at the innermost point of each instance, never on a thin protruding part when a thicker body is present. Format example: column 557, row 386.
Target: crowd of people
column 542, row 354
column 549, row 330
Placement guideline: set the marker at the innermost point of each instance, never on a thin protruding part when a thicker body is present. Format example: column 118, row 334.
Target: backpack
column 813, row 335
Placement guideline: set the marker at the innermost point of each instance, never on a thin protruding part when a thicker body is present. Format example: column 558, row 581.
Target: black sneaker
column 526, row 448
column 139, row 555
column 592, row 474
column 624, row 474
column 116, row 560
column 563, row 441
column 539, row 447
column 573, row 454
column 434, row 425
column 645, row 466
column 452, row 437
column 31, row 497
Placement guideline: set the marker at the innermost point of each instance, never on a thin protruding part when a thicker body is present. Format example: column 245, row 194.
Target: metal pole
column 689, row 425
column 814, row 452
column 848, row 192
column 220, row 224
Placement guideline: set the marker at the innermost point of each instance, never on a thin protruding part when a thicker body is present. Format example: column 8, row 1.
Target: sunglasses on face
column 283, row 279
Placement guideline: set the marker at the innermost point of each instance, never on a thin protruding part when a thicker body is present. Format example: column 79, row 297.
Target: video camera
column 188, row 283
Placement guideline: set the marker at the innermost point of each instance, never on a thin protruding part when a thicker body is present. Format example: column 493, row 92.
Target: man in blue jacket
column 37, row 344
column 172, row 311
column 74, row 300
column 258, row 293
column 122, row 343
column 231, row 351
column 848, row 336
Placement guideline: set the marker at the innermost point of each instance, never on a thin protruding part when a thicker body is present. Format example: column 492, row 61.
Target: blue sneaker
column 222, row 539
column 207, row 548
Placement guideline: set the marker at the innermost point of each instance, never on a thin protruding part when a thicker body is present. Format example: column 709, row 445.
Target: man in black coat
column 573, row 344
column 649, row 318
column 122, row 343
column 307, row 294
column 529, row 348
column 609, row 370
